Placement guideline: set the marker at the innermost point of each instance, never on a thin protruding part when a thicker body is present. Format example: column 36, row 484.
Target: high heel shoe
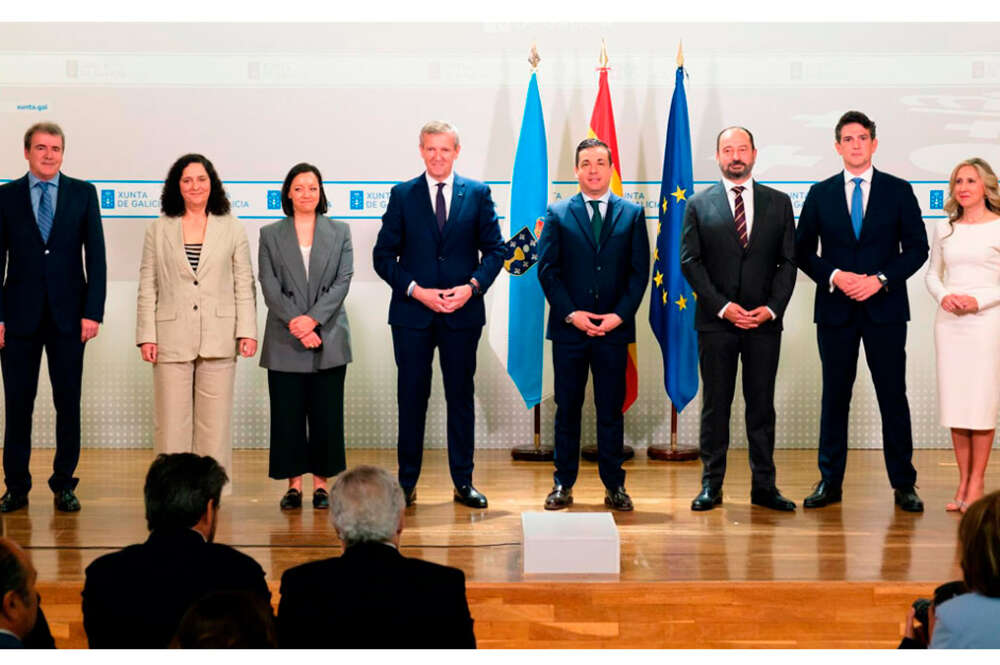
column 953, row 506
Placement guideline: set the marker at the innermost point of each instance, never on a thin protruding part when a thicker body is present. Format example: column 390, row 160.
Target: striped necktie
column 741, row 216
column 44, row 218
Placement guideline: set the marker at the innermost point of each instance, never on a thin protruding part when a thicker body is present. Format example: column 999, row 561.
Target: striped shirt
column 193, row 251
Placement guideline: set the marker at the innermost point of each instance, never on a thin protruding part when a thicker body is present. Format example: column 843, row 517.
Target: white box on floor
column 570, row 543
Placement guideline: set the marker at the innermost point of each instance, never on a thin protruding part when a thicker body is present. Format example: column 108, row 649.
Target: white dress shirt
column 603, row 206
column 866, row 188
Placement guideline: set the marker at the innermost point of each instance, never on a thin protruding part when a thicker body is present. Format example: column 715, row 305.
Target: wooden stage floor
column 738, row 576
column 865, row 538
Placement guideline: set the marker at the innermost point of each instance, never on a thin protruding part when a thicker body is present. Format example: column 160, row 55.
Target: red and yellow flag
column 602, row 126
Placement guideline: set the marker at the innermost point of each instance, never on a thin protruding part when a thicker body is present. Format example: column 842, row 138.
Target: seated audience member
column 920, row 620
column 972, row 620
column 227, row 620
column 18, row 598
column 382, row 599
column 135, row 598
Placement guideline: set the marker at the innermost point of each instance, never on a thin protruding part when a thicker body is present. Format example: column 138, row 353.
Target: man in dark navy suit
column 593, row 265
column 869, row 226
column 52, row 246
column 18, row 597
column 439, row 249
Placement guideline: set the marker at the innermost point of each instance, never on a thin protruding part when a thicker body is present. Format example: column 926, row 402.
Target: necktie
column 857, row 207
column 596, row 221
column 741, row 216
column 44, row 218
column 439, row 208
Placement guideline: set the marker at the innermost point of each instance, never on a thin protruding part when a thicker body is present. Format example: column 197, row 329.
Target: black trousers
column 307, row 422
column 21, row 359
column 571, row 362
column 719, row 352
column 414, row 351
column 885, row 351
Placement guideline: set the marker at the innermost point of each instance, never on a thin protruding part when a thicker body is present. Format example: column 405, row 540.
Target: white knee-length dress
column 965, row 259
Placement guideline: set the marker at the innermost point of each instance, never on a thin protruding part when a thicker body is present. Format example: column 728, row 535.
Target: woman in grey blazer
column 306, row 264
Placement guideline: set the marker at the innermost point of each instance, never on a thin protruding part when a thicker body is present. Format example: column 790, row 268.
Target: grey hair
column 439, row 127
column 366, row 503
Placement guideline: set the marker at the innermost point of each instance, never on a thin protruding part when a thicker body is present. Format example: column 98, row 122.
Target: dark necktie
column 439, row 208
column 44, row 217
column 596, row 221
column 740, row 214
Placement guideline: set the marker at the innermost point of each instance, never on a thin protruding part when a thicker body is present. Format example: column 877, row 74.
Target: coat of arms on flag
column 521, row 252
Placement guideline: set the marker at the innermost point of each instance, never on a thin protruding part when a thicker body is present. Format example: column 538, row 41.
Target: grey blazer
column 288, row 294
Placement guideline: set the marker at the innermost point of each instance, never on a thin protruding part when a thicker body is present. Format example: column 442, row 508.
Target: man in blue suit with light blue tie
column 52, row 246
column 593, row 264
column 439, row 249
column 872, row 238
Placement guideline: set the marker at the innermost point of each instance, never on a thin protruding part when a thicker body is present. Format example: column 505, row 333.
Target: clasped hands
column 304, row 329
column 444, row 301
column 856, row 286
column 88, row 331
column 595, row 325
column 958, row 303
column 746, row 319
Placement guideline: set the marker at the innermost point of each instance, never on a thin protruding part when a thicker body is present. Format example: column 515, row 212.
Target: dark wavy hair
column 171, row 201
column 286, row 200
column 852, row 117
column 178, row 489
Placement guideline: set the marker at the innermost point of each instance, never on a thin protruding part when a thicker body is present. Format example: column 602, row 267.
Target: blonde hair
column 989, row 178
column 439, row 127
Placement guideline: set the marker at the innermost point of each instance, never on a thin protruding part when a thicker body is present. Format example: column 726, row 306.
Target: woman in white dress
column 964, row 278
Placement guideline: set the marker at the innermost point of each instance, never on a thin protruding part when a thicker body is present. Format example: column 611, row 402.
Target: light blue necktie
column 44, row 211
column 857, row 207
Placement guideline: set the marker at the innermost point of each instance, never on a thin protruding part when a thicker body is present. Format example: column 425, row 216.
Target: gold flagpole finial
column 604, row 54
column 680, row 53
column 533, row 57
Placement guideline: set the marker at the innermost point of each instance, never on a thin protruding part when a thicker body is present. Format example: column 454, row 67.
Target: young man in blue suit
column 52, row 246
column 593, row 265
column 439, row 249
column 872, row 235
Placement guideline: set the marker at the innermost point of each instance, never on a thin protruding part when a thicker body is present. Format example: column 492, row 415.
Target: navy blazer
column 720, row 270
column 893, row 241
column 578, row 274
column 52, row 272
column 410, row 248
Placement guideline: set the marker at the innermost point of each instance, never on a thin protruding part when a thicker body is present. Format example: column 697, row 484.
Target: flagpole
column 534, row 452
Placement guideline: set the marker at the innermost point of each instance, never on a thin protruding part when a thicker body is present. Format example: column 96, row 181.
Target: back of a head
column 227, row 620
column 366, row 505
column 178, row 489
column 13, row 573
column 979, row 539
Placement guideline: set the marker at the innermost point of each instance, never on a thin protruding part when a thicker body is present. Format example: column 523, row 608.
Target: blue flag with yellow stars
column 671, row 301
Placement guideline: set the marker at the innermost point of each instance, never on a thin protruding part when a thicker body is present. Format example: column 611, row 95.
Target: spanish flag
column 602, row 126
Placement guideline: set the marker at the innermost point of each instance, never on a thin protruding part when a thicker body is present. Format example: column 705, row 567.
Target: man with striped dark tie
column 737, row 253
column 52, row 247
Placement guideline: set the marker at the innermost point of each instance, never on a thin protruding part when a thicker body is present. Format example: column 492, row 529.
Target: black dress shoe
column 66, row 501
column 907, row 499
column 823, row 494
column 618, row 499
column 709, row 498
column 410, row 495
column 11, row 502
column 470, row 496
column 291, row 500
column 560, row 497
column 771, row 498
column 321, row 499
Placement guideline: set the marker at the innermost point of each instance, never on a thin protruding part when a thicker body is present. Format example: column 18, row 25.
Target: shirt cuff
column 835, row 271
column 409, row 289
column 722, row 312
column 773, row 317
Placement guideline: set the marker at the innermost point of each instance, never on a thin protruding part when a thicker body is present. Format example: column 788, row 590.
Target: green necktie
column 596, row 221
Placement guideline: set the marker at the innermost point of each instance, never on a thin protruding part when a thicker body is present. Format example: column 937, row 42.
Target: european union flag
column 672, row 302
column 528, row 200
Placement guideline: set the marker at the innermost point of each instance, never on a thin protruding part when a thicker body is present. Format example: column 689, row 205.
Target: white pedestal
column 570, row 544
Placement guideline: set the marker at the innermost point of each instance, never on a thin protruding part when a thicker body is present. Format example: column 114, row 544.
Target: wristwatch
column 475, row 288
column 882, row 279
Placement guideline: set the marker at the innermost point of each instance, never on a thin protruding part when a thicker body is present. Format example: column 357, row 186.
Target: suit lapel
column 174, row 236
column 24, row 193
column 578, row 209
column 62, row 200
column 614, row 213
column 874, row 202
column 319, row 257
column 455, row 209
column 840, row 206
column 288, row 246
column 761, row 204
column 720, row 201
column 213, row 239
column 423, row 202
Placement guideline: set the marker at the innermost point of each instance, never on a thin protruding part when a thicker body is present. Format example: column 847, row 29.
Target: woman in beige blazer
column 196, row 309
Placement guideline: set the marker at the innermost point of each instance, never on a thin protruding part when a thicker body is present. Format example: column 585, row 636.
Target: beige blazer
column 190, row 314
